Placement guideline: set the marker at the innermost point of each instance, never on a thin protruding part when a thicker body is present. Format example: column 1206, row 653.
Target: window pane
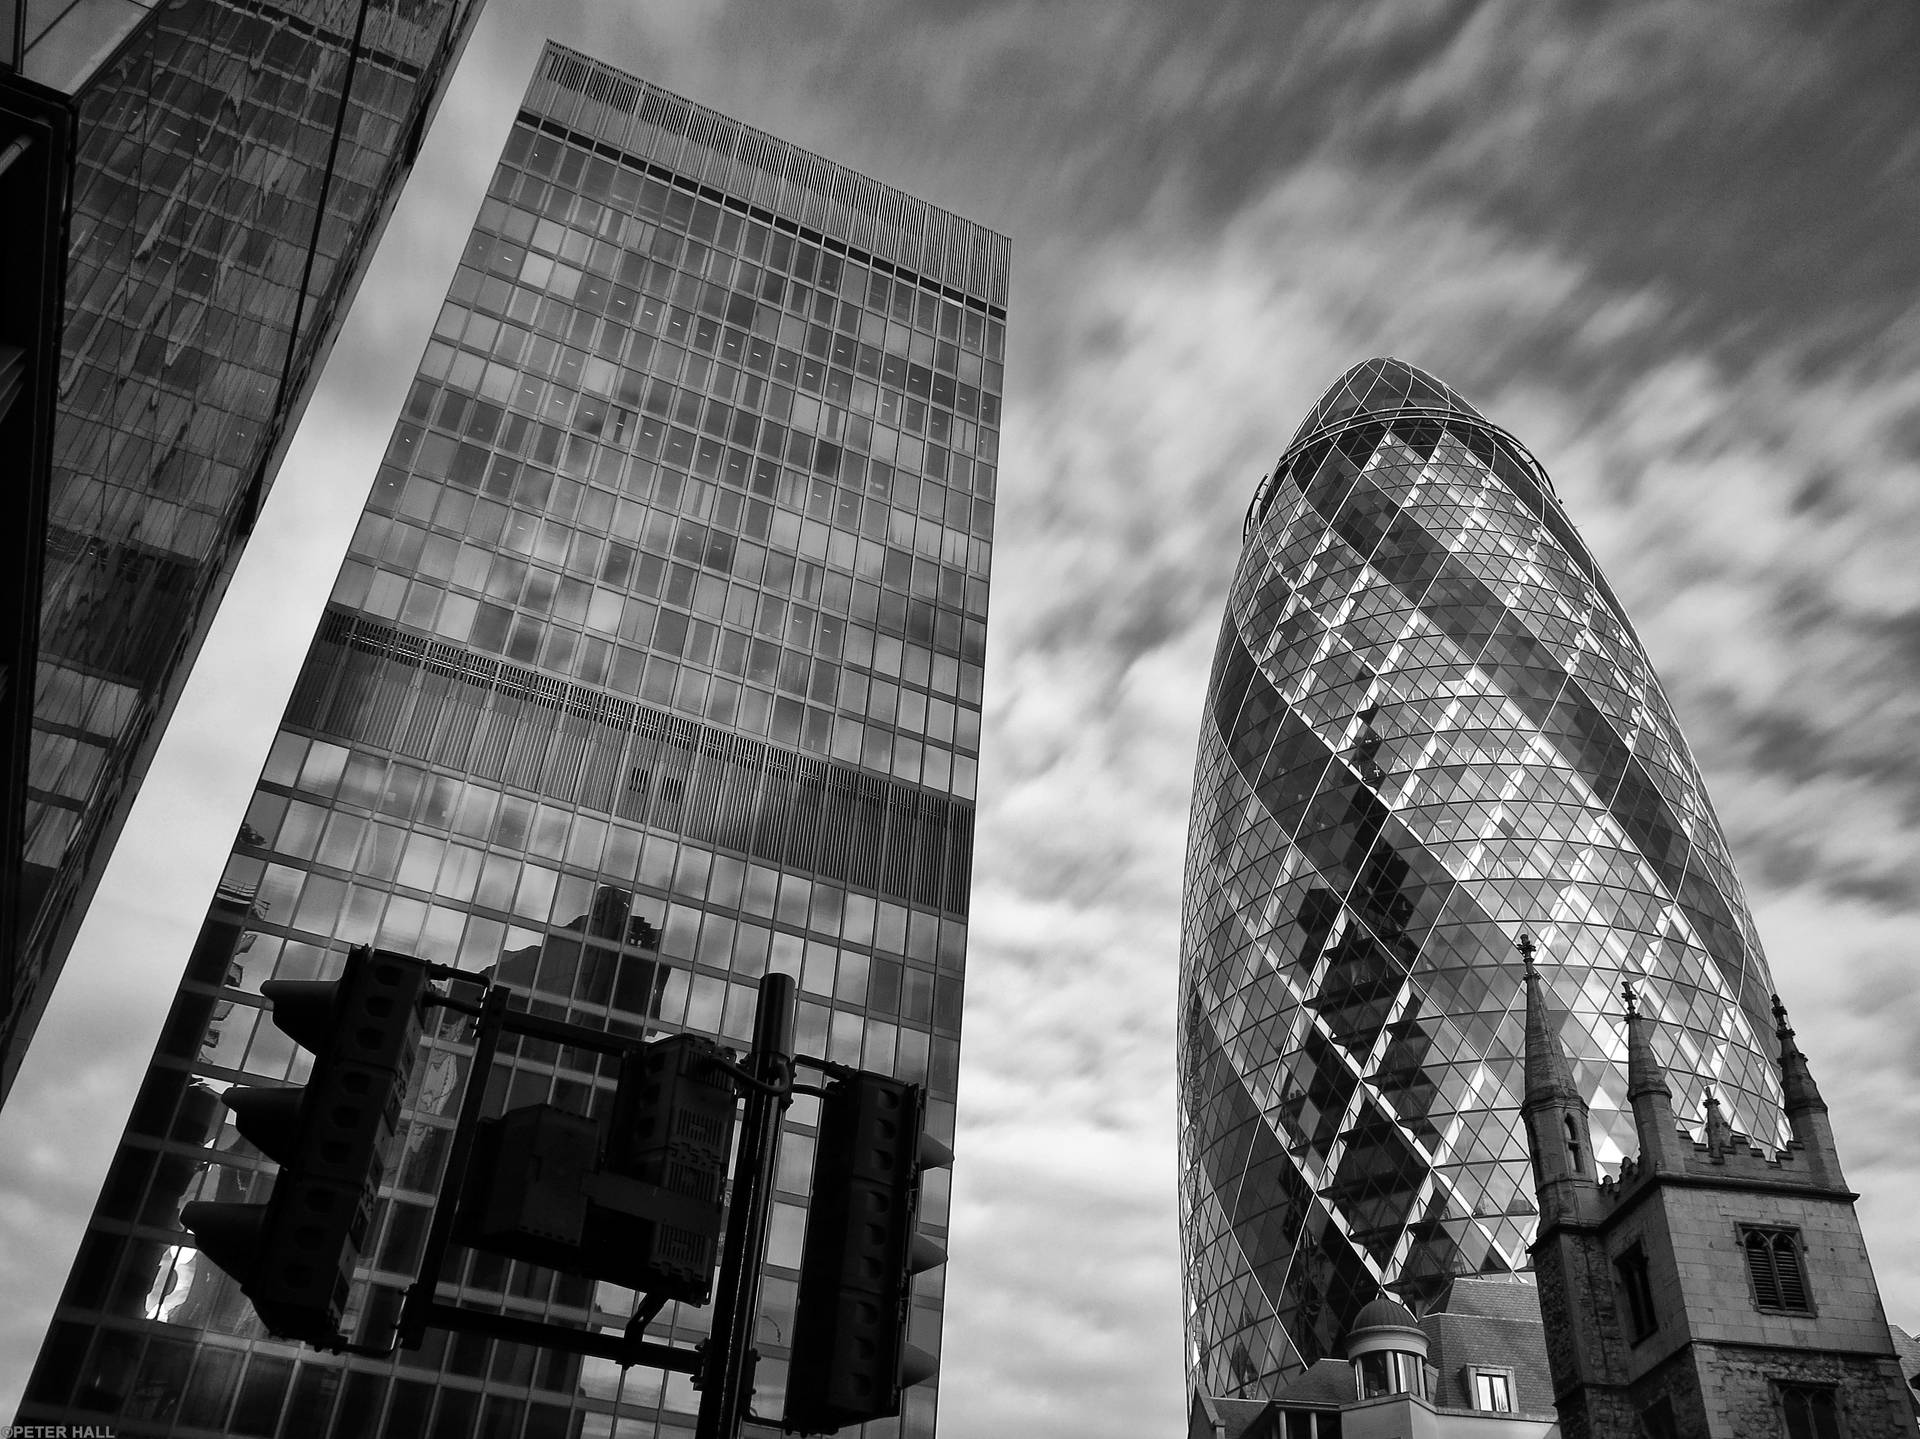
column 1373, row 1375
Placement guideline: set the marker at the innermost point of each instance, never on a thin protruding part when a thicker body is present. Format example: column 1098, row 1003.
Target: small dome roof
column 1384, row 1313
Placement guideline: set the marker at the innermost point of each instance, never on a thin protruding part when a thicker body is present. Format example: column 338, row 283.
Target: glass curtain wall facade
column 205, row 147
column 1429, row 729
column 656, row 664
column 36, row 168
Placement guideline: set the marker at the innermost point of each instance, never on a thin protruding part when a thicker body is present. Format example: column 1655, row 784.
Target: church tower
column 1713, row 1290
column 1586, row 1350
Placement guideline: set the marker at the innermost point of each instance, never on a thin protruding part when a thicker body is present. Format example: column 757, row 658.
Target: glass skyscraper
column 208, row 136
column 1429, row 729
column 655, row 664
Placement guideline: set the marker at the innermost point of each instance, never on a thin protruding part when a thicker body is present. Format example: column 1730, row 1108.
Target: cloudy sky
column 1672, row 247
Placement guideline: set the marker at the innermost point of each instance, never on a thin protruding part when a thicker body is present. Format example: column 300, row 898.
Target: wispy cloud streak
column 1670, row 247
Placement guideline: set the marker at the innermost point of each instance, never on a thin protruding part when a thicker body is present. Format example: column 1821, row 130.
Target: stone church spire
column 1548, row 1078
column 1559, row 1133
column 1650, row 1095
column 1806, row 1111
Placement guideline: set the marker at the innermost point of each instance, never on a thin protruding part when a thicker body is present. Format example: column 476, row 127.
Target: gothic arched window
column 1773, row 1264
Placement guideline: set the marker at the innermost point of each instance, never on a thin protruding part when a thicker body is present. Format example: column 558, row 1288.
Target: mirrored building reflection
column 232, row 165
column 655, row 665
column 1429, row 729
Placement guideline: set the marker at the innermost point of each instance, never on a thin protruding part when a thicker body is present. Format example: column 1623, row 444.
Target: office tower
column 1429, row 729
column 656, row 662
column 232, row 163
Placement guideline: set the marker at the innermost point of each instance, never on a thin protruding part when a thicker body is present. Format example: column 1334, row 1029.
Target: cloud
column 1667, row 246
column 1171, row 367
column 1168, row 368
column 1845, row 968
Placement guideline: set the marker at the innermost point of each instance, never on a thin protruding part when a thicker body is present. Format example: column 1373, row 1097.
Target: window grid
column 884, row 586
column 655, row 666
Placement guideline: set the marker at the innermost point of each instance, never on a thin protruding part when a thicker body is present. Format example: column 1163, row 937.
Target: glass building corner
column 214, row 236
column 655, row 664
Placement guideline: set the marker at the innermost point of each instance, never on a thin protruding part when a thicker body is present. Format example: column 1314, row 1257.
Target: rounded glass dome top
column 1378, row 393
column 1382, row 386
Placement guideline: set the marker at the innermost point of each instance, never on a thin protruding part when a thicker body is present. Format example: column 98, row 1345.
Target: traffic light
column 524, row 1195
column 850, row 1355
column 638, row 1201
column 293, row 1256
column 672, row 1128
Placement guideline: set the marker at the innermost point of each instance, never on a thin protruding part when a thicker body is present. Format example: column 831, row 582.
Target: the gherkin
column 1429, row 728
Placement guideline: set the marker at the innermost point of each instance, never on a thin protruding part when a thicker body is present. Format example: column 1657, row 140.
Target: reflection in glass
column 588, row 714
column 1429, row 728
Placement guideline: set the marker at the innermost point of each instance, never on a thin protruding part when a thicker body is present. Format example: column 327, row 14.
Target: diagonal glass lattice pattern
column 1429, row 728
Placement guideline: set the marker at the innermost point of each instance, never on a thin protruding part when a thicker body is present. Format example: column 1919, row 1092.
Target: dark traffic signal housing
column 863, row 1246
column 638, row 1195
column 294, row 1255
column 637, row 1200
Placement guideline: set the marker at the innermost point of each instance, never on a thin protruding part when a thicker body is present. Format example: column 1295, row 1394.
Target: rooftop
column 1383, row 387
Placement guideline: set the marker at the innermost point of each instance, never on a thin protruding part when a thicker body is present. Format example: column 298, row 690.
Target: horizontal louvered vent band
column 651, row 124
column 370, row 684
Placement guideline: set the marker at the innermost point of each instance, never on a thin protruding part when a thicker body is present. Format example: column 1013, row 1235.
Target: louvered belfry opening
column 1774, row 1266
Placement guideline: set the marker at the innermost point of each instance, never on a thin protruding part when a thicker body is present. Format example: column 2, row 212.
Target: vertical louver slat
column 454, row 734
column 749, row 765
column 837, row 834
column 348, row 698
column 959, row 860
column 430, row 703
column 703, row 791
column 394, row 684
column 870, row 823
column 601, row 750
column 636, row 791
column 1766, row 1289
column 803, row 820
column 770, row 821
column 930, row 860
column 310, row 694
column 675, row 775
column 561, row 775
column 1793, row 1283
column 896, row 855
column 492, row 735
column 534, row 737
column 840, row 201
column 728, row 781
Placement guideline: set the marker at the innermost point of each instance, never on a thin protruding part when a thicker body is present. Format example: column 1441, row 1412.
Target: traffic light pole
column 415, row 1309
column 726, row 1378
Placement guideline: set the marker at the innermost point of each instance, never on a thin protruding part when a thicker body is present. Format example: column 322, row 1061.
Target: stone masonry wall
column 1582, row 1333
column 1738, row 1385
